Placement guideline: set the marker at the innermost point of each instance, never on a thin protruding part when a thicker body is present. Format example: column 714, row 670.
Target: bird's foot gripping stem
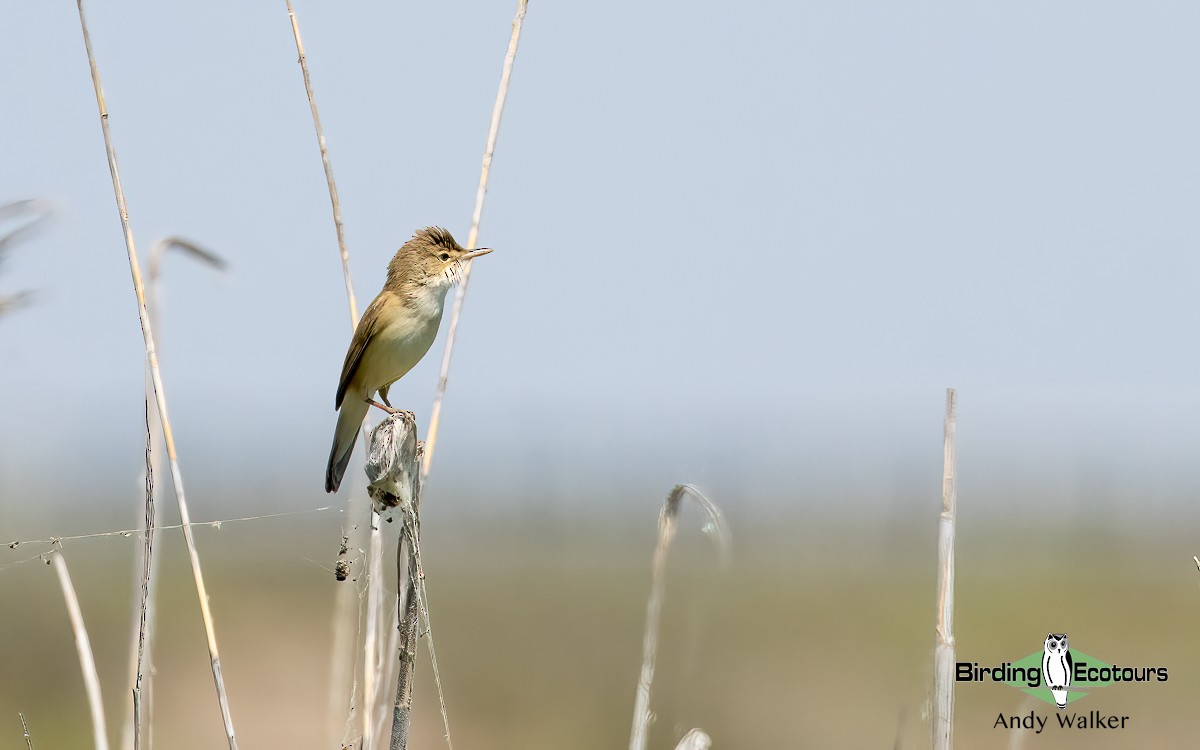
column 388, row 408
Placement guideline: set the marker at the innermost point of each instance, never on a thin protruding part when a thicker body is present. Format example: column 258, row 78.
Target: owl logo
column 1057, row 667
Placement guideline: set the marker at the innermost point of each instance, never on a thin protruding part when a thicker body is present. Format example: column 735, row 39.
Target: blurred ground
column 819, row 635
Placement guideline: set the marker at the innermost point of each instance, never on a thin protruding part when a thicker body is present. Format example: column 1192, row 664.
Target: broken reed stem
column 333, row 192
column 943, row 660
column 667, row 521
column 394, row 469
column 87, row 663
column 473, row 237
column 160, row 395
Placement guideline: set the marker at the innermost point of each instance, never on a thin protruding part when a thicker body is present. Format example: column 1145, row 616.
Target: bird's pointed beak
column 476, row 253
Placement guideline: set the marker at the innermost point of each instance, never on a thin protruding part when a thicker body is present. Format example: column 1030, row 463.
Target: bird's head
column 431, row 257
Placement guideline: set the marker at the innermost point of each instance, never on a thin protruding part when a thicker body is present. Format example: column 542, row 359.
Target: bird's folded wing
column 367, row 326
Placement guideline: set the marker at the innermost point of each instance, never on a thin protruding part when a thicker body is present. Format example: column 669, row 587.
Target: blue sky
column 747, row 246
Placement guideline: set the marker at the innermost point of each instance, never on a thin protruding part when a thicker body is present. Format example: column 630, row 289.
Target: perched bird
column 394, row 333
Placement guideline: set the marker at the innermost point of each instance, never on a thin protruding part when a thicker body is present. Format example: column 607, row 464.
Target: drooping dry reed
column 667, row 526
column 38, row 211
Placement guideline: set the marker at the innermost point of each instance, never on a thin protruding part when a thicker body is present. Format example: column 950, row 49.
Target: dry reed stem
column 141, row 667
column 943, row 660
column 87, row 663
column 141, row 661
column 393, row 468
column 344, row 605
column 452, row 332
column 25, row 732
column 667, row 521
column 696, row 739
column 160, row 395
column 388, row 664
column 333, row 192
column 473, row 237
column 370, row 642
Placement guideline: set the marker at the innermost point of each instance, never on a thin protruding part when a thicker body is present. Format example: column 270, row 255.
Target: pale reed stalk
column 87, row 663
column 943, row 659
column 25, row 733
column 333, row 192
column 159, row 393
column 139, row 709
column 371, row 667
column 473, row 237
column 455, row 313
column 346, row 607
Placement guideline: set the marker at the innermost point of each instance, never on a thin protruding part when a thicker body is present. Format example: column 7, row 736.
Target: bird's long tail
column 348, row 424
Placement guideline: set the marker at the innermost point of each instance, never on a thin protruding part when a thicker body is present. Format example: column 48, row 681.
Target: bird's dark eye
column 445, row 256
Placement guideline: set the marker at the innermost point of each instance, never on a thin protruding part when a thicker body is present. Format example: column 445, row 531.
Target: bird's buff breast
column 398, row 346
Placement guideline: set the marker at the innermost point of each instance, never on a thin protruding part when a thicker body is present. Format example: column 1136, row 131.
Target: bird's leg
column 389, row 409
column 383, row 392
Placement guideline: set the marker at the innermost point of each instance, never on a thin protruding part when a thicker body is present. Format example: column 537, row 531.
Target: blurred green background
column 819, row 634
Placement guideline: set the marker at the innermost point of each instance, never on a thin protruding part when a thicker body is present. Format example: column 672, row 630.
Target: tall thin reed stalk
column 333, row 192
column 139, row 711
column 87, row 662
column 943, row 658
column 159, row 392
column 347, row 606
column 460, row 294
column 667, row 526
